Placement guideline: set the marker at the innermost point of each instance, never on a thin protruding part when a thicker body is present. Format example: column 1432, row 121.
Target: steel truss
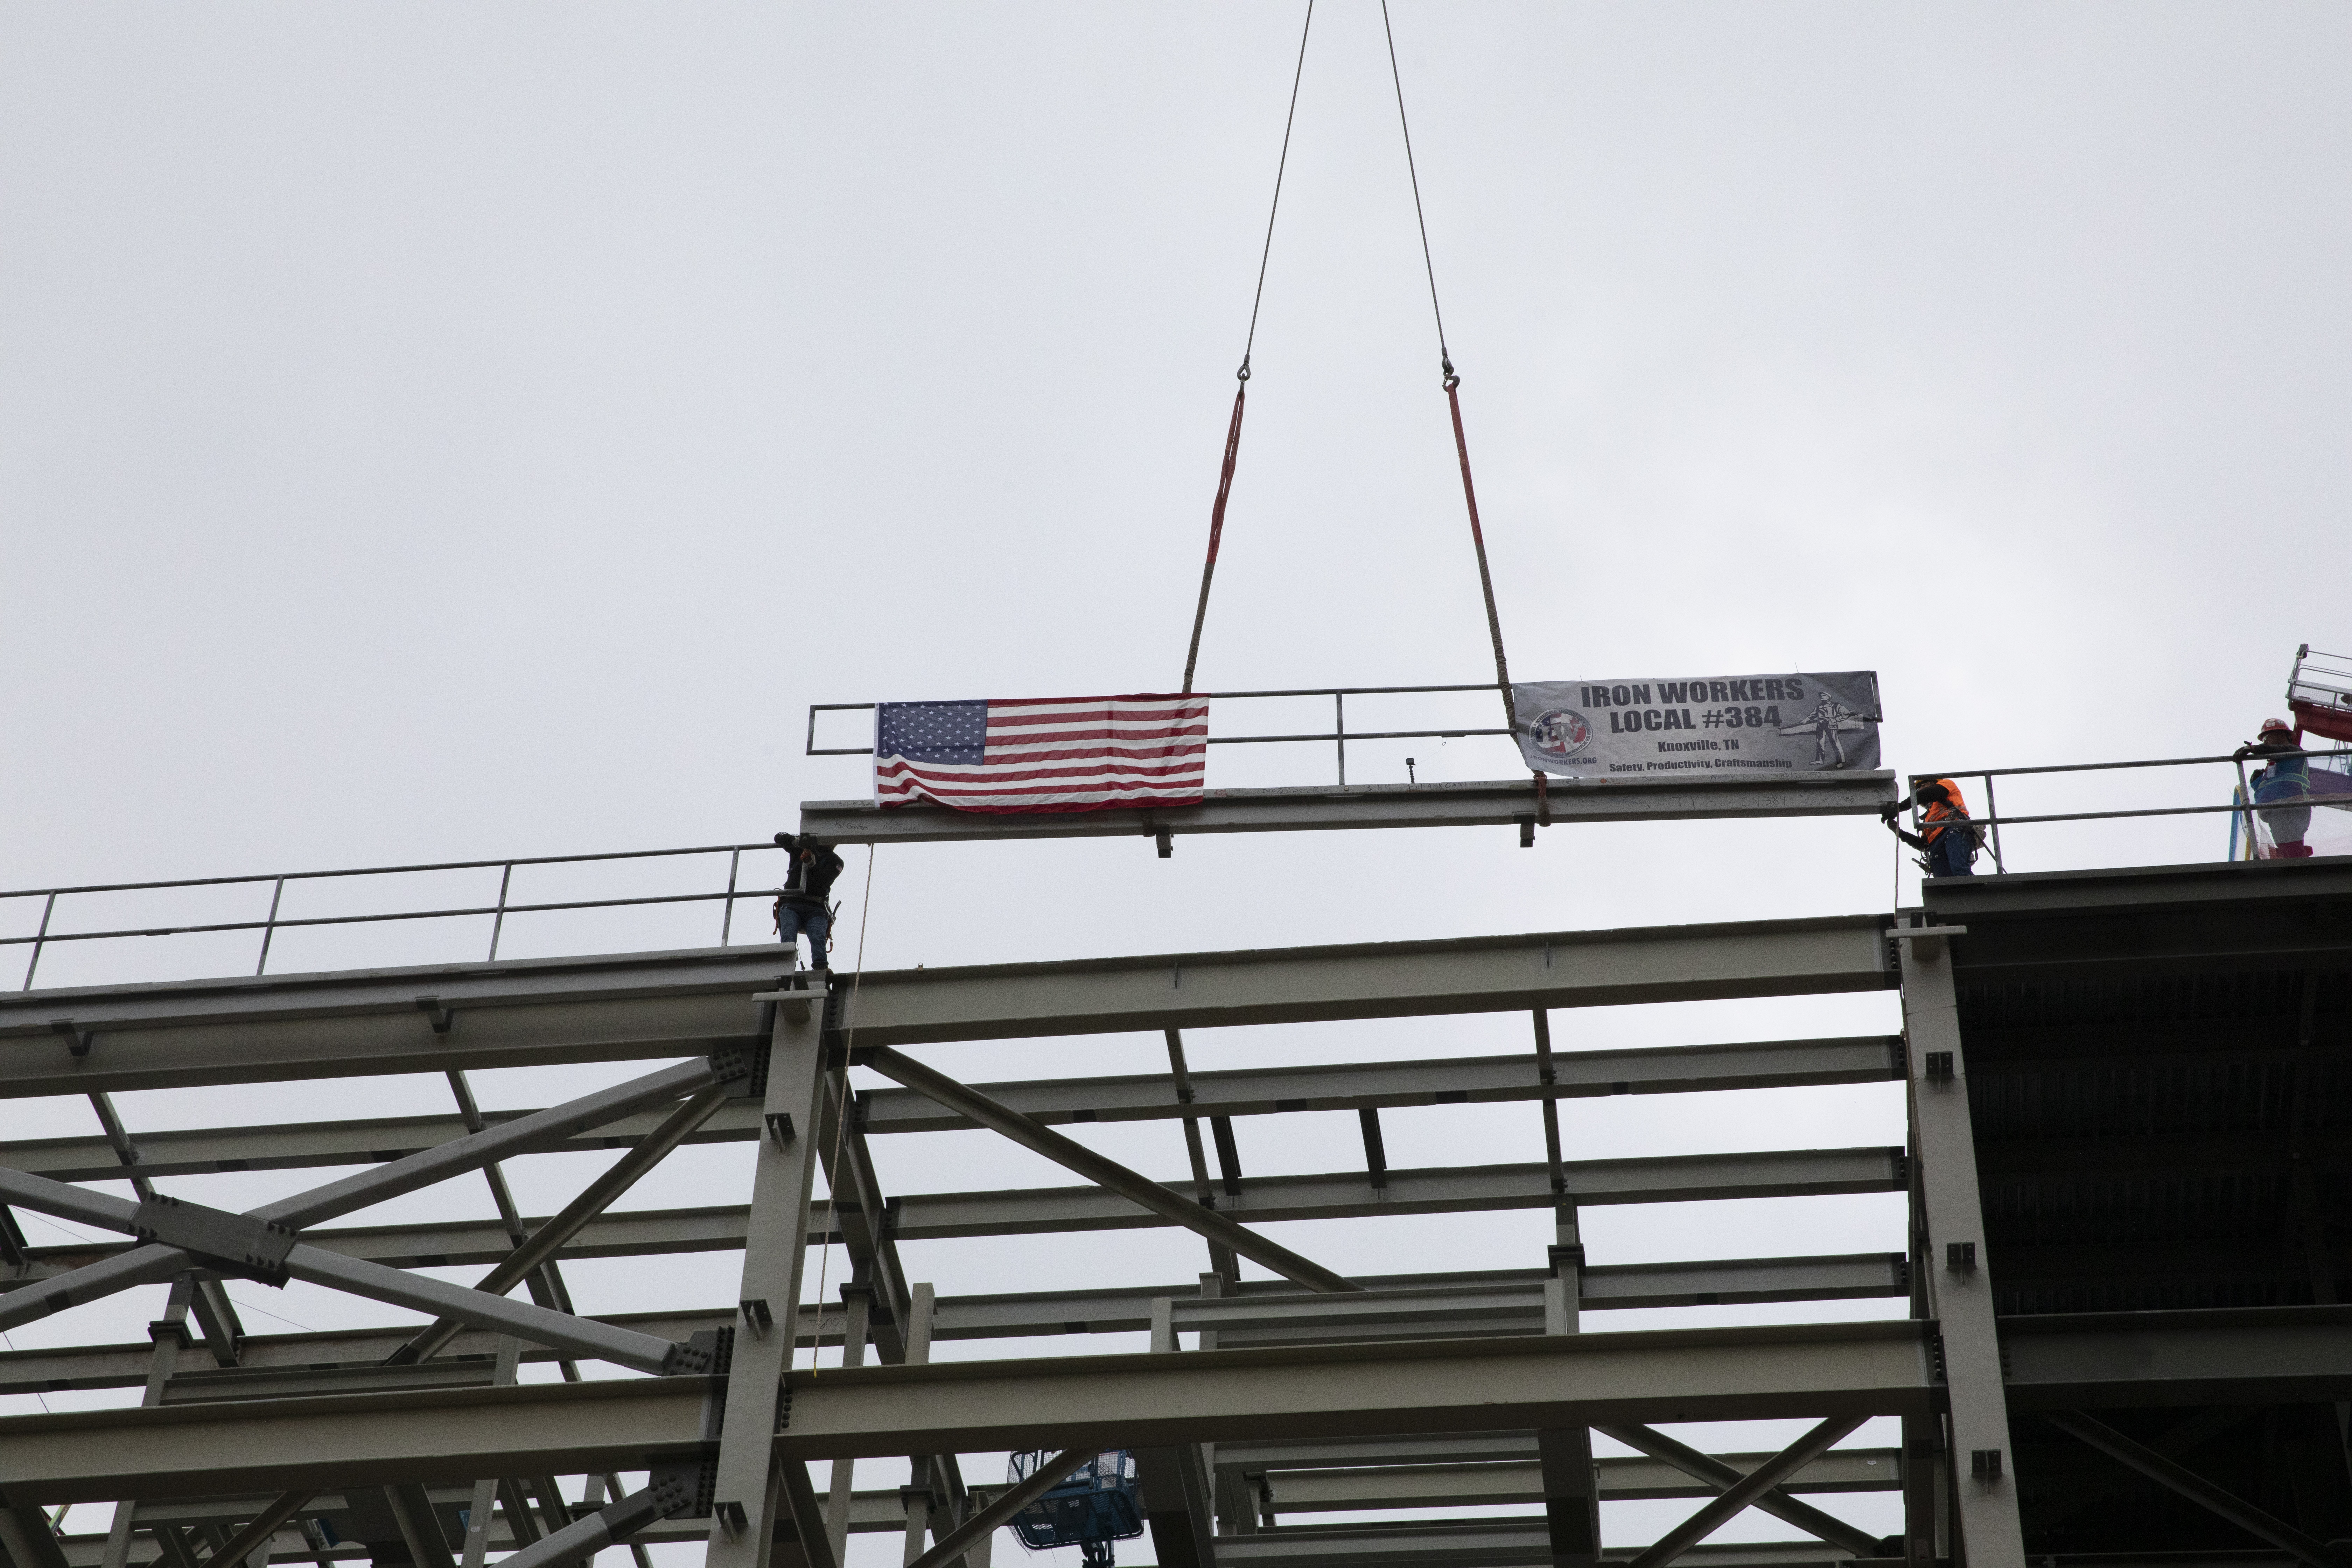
column 1261, row 1406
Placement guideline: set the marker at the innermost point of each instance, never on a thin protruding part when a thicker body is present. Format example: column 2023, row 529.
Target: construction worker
column 2287, row 779
column 1950, row 841
column 802, row 900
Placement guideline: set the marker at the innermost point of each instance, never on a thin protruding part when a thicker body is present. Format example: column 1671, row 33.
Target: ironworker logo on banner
column 1561, row 733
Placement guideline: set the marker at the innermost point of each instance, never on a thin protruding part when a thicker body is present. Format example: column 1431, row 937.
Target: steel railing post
column 727, row 923
column 1993, row 811
column 1339, row 726
column 499, row 921
column 269, row 926
column 39, row 937
column 2245, row 802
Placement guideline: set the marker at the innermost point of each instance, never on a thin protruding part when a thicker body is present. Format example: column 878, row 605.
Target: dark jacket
column 810, row 882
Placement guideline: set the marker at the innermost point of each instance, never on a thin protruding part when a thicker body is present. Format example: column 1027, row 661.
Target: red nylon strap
column 1217, row 530
column 1478, row 543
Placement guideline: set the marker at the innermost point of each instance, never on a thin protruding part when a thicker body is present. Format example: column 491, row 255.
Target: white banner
column 1712, row 730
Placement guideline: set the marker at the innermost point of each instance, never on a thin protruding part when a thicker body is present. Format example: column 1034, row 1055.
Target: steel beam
column 356, row 1024
column 1472, row 1543
column 690, row 1003
column 1501, row 1483
column 755, row 1500
column 311, row 1359
column 302, row 1145
column 1957, row 1265
column 1499, row 804
column 2238, row 1356
column 1872, row 1368
column 1259, row 1091
column 443, row 1437
column 1374, row 980
column 1342, row 1195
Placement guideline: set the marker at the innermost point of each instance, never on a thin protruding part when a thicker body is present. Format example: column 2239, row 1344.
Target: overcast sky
column 434, row 432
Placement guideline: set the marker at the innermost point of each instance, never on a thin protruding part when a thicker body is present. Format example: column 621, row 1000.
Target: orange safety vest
column 1955, row 809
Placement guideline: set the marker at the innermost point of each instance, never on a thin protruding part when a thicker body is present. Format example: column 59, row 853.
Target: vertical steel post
column 1340, row 729
column 39, row 937
column 1959, row 1268
column 1993, row 811
column 856, row 1307
column 498, row 922
column 2245, row 800
column 734, row 863
column 269, row 927
column 747, row 1492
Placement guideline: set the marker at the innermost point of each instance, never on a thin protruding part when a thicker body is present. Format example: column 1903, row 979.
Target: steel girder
column 1772, row 1064
column 1037, row 1210
column 1500, row 803
column 437, row 1436
column 690, row 1003
column 321, row 1361
column 1869, row 1368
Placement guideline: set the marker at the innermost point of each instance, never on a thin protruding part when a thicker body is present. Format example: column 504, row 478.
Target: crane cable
column 1452, row 380
column 1241, row 392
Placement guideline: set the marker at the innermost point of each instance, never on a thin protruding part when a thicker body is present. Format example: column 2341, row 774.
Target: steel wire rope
column 841, row 1117
column 1241, row 392
column 1454, row 403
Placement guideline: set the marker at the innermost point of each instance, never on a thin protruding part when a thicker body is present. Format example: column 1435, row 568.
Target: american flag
column 1062, row 754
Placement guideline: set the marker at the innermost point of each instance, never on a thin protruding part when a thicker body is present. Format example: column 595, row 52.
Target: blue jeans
column 791, row 921
column 1951, row 853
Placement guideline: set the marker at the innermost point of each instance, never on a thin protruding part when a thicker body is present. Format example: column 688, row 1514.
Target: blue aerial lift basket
column 1096, row 1506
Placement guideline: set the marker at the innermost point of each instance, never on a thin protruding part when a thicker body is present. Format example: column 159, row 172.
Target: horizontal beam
column 1867, row 1368
column 2252, row 1355
column 653, row 1005
column 1498, row 1484
column 1252, row 1092
column 1257, row 1091
column 441, row 1436
column 1475, row 1543
column 1344, row 1394
column 640, row 1006
column 1041, row 1211
column 1373, row 980
column 284, row 1364
column 1499, row 804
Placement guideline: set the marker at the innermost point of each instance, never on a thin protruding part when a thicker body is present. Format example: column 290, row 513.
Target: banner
column 1716, row 730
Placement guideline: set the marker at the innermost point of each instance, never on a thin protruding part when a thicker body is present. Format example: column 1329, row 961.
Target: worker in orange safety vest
column 1950, row 840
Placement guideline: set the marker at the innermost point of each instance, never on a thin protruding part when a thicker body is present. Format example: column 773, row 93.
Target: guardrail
column 272, row 923
column 2244, row 805
column 1339, row 735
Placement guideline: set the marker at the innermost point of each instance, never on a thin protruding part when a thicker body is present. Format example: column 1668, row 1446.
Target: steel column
column 1957, row 1276
column 747, row 1492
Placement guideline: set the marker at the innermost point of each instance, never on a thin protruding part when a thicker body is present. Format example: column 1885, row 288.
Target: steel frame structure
column 1403, row 1395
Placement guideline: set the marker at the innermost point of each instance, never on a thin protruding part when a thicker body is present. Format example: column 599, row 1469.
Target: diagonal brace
column 2192, row 1485
column 157, row 1261
column 1723, row 1477
column 524, row 1319
column 549, row 1239
column 1744, row 1494
column 1034, row 1136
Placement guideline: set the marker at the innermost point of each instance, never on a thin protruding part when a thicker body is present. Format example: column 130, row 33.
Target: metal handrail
column 2244, row 805
column 270, row 925
column 1339, row 735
